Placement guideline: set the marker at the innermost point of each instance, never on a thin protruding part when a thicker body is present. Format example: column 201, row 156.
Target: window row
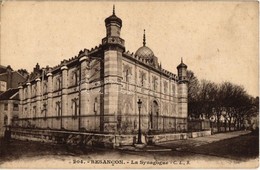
column 57, row 84
column 127, row 71
column 15, row 107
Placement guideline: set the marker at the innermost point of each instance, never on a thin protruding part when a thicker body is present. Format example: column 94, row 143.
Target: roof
column 182, row 65
column 3, row 69
column 144, row 52
column 113, row 18
column 10, row 94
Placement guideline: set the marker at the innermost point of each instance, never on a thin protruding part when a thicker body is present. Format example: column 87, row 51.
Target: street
column 234, row 149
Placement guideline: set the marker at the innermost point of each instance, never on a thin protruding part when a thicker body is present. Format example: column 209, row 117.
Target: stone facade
column 97, row 92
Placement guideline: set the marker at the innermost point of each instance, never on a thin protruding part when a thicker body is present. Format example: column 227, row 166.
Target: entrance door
column 155, row 115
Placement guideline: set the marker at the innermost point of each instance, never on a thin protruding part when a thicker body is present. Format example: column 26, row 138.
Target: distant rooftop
column 10, row 94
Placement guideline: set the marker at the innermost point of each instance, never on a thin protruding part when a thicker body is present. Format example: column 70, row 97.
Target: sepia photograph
column 129, row 84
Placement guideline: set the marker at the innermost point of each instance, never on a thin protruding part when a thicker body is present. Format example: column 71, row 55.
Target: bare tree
column 193, row 94
column 226, row 99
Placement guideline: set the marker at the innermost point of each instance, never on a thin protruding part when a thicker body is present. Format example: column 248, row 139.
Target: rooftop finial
column 181, row 60
column 144, row 38
column 114, row 9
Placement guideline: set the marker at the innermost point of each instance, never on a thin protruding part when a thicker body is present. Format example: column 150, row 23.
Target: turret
column 182, row 72
column 113, row 25
column 182, row 91
column 113, row 28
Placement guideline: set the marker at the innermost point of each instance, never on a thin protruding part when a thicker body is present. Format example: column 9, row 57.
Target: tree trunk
column 218, row 124
column 229, row 125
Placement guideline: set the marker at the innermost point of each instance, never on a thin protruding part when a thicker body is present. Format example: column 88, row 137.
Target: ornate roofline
column 145, row 63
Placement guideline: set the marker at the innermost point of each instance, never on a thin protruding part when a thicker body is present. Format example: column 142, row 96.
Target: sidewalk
column 185, row 144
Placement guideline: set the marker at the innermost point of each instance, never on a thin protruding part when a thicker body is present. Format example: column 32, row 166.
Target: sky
column 217, row 40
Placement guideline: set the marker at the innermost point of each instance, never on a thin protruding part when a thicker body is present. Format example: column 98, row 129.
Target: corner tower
column 182, row 90
column 113, row 48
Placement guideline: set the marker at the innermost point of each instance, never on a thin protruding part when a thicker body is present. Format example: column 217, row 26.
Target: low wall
column 97, row 139
column 199, row 134
column 153, row 139
column 74, row 138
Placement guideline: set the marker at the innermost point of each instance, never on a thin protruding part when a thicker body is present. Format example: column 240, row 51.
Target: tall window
column 165, row 87
column 34, row 111
column 58, row 109
column 127, row 72
column 25, row 93
column 44, row 109
column 75, row 78
column 142, row 78
column 15, row 107
column 6, row 106
column 58, row 83
column 173, row 89
column 5, row 119
column 25, row 110
column 127, row 76
column 155, row 83
column 74, row 106
column 33, row 90
column 45, row 87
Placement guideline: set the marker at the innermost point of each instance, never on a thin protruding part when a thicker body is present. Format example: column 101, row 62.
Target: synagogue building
column 97, row 91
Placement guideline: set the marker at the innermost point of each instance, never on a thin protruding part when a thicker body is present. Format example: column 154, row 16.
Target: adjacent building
column 9, row 108
column 10, row 78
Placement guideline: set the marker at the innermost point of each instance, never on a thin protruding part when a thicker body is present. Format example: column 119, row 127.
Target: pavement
column 186, row 144
column 238, row 152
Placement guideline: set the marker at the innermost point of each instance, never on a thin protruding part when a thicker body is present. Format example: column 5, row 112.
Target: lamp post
column 139, row 141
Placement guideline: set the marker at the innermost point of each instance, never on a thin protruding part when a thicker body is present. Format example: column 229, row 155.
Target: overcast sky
column 217, row 40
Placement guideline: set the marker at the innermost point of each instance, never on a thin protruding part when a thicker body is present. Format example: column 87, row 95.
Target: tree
column 226, row 99
column 193, row 89
column 23, row 72
column 208, row 91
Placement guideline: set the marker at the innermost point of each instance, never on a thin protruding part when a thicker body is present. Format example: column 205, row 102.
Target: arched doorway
column 154, row 115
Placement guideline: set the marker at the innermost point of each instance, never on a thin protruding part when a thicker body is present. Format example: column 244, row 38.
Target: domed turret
column 113, row 30
column 113, row 25
column 113, row 19
column 182, row 65
column 144, row 51
column 182, row 71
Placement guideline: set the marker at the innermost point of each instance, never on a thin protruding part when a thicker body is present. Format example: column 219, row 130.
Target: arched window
column 25, row 111
column 165, row 87
column 15, row 107
column 34, row 111
column 58, row 109
column 5, row 119
column 127, row 72
column 44, row 109
column 127, row 76
column 75, row 78
column 142, row 78
column 58, row 83
column 6, row 106
column 25, row 93
column 45, row 87
column 173, row 89
column 155, row 83
column 33, row 90
column 74, row 107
